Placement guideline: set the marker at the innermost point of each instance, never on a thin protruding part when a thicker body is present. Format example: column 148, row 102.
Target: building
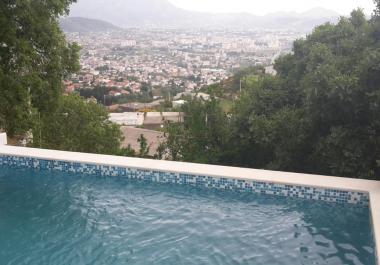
column 128, row 118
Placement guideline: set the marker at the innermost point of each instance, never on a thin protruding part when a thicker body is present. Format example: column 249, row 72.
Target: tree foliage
column 319, row 114
column 377, row 10
column 144, row 146
column 202, row 135
column 78, row 126
column 34, row 58
column 100, row 93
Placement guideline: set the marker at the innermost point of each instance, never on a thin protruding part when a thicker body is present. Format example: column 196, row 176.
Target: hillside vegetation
column 320, row 114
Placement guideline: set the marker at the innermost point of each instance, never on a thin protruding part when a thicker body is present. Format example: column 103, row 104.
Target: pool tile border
column 221, row 183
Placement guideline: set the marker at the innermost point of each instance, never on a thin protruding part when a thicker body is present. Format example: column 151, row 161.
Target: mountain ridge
column 316, row 12
column 161, row 13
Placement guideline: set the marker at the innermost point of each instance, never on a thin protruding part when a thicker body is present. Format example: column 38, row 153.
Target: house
column 199, row 95
column 178, row 103
column 113, row 108
column 155, row 120
column 127, row 118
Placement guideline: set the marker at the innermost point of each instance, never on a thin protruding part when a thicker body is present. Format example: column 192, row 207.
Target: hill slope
column 129, row 13
column 83, row 25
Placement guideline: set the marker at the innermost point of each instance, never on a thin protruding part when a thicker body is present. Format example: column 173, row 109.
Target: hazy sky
column 262, row 7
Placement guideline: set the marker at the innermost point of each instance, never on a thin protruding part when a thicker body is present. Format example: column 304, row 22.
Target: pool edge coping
column 327, row 182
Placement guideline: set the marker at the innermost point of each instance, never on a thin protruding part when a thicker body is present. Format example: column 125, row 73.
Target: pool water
column 56, row 218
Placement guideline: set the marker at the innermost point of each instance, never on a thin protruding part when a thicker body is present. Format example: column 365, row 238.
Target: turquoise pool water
column 56, row 218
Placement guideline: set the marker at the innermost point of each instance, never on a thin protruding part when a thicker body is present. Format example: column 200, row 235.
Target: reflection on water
column 56, row 218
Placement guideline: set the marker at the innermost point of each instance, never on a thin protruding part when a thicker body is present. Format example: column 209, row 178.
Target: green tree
column 202, row 136
column 127, row 151
column 161, row 151
column 34, row 59
column 78, row 126
column 264, row 124
column 144, row 147
column 320, row 113
column 98, row 92
column 173, row 140
column 377, row 10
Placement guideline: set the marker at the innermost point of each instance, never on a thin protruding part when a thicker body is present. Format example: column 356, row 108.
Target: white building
column 128, row 118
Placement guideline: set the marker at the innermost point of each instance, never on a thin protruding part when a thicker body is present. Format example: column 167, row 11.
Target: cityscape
column 189, row 60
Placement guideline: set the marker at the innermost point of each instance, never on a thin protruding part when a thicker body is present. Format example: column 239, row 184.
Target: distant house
column 113, row 108
column 155, row 120
column 136, row 106
column 115, row 93
column 128, row 118
column 203, row 96
column 92, row 100
column 178, row 103
column 270, row 70
column 69, row 89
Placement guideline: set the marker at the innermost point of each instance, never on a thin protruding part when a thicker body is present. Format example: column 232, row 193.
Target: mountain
column 317, row 12
column 129, row 13
column 84, row 25
column 161, row 13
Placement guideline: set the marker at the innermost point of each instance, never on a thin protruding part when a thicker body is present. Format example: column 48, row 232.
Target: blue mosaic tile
column 311, row 193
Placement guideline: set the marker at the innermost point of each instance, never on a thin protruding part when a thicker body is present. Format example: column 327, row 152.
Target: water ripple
column 59, row 219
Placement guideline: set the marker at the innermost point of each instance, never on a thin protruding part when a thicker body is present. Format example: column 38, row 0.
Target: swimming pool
column 60, row 218
column 70, row 208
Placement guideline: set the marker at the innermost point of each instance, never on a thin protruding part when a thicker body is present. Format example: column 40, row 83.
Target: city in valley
column 129, row 62
column 137, row 71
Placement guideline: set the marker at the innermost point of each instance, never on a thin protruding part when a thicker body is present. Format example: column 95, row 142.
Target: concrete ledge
column 368, row 186
column 3, row 139
column 199, row 169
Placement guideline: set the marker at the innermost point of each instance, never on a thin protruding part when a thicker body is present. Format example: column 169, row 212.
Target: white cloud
column 262, row 7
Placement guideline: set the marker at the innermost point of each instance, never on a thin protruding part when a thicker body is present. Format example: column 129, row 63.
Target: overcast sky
column 262, row 7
